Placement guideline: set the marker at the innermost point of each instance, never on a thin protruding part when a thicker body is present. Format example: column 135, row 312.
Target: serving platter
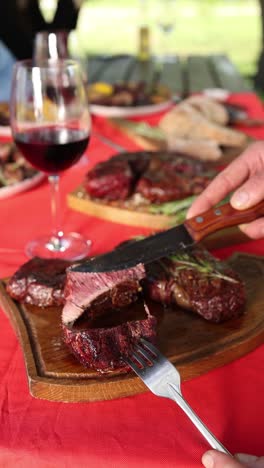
column 153, row 144
column 130, row 111
column 19, row 187
column 5, row 131
column 192, row 344
column 79, row 200
column 15, row 175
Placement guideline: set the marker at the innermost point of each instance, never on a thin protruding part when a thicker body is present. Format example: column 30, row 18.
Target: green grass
column 201, row 27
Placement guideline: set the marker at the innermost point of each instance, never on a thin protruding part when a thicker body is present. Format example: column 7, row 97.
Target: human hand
column 215, row 459
column 244, row 176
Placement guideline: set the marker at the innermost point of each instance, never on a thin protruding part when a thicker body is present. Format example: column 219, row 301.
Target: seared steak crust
column 197, row 282
column 157, row 176
column 98, row 326
column 39, row 282
column 102, row 348
column 110, row 181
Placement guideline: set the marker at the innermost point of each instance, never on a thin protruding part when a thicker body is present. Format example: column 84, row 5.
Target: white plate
column 11, row 190
column 5, row 130
column 113, row 111
column 220, row 94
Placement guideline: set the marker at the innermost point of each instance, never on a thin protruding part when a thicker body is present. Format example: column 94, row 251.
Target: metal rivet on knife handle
column 218, row 212
column 199, row 219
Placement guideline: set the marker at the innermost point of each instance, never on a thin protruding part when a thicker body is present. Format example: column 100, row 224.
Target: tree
column 259, row 77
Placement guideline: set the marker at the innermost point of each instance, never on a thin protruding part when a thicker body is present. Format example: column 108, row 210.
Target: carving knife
column 168, row 242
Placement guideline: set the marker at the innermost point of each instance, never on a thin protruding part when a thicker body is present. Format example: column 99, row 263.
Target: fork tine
column 136, row 355
column 132, row 364
column 149, row 346
column 145, row 353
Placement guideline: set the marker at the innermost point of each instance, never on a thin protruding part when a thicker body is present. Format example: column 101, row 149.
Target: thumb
column 250, row 193
column 216, row 459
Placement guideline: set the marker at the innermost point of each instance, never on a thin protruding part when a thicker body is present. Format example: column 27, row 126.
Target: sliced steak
column 172, row 177
column 157, row 176
column 115, row 178
column 110, row 181
column 104, row 315
column 83, row 289
column 39, row 282
column 100, row 344
column 196, row 281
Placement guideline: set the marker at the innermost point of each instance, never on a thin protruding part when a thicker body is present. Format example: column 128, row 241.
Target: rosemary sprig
column 143, row 129
column 201, row 265
column 172, row 207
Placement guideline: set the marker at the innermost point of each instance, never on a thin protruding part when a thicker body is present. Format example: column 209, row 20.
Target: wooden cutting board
column 79, row 200
column 190, row 342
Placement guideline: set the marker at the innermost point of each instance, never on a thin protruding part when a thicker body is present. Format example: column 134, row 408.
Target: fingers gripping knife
column 168, row 242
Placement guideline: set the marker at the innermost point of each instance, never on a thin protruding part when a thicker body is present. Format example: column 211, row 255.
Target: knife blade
column 168, row 242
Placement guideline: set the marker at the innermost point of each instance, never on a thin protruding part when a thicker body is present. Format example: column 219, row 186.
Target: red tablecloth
column 142, row 430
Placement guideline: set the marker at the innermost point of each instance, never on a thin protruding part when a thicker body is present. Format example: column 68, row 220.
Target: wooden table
column 182, row 75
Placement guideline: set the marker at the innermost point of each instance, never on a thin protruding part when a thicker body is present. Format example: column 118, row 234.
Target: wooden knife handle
column 219, row 218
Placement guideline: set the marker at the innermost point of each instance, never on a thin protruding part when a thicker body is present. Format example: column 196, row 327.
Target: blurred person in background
column 20, row 20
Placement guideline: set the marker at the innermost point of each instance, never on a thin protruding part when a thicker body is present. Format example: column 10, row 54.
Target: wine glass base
column 71, row 246
column 166, row 58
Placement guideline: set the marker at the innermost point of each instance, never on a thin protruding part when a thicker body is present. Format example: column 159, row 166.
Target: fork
column 163, row 379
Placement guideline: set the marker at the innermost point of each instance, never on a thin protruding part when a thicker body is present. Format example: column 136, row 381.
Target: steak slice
column 159, row 176
column 198, row 282
column 104, row 315
column 101, row 344
column 39, row 282
column 109, row 180
column 83, row 289
column 172, row 177
column 115, row 178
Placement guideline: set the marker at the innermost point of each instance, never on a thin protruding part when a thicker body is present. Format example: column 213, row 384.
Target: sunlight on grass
column 201, row 27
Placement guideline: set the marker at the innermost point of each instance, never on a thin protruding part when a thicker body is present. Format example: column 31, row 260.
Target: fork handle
column 211, row 439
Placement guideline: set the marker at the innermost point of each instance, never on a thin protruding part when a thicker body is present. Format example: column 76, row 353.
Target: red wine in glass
column 52, row 149
column 52, row 131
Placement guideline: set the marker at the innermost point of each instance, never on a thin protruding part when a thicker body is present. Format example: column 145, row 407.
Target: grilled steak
column 100, row 344
column 170, row 177
column 110, row 181
column 103, row 316
column 39, row 282
column 198, row 282
column 158, row 177
column 106, row 313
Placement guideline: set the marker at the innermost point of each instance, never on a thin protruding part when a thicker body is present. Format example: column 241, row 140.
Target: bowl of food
column 126, row 99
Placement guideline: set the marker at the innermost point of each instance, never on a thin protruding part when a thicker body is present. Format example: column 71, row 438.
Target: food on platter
column 197, row 126
column 145, row 181
column 105, row 313
column 185, row 122
column 127, row 94
column 142, row 188
column 197, row 281
column 4, row 114
column 16, row 174
column 209, row 108
column 39, row 282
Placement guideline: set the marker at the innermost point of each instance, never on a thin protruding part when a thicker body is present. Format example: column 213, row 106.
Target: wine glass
column 51, row 45
column 51, row 126
column 58, row 44
column 165, row 20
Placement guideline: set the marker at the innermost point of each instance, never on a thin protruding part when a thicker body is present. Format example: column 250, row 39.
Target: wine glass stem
column 57, row 233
